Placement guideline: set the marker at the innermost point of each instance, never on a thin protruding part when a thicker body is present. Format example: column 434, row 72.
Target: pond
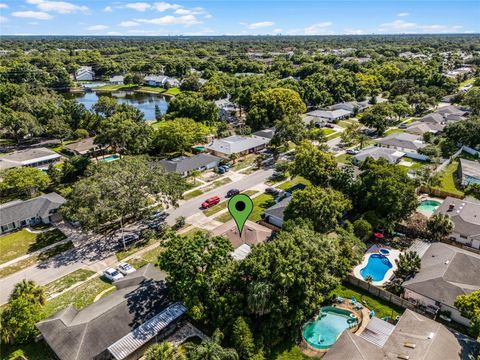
column 144, row 102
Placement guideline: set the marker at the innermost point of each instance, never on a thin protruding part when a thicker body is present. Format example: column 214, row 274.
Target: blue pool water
column 377, row 267
column 329, row 325
column 428, row 206
column 110, row 158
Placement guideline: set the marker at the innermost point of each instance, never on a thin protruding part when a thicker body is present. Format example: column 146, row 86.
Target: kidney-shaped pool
column 376, row 268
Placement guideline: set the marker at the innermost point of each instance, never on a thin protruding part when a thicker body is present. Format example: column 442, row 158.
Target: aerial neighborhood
column 119, row 156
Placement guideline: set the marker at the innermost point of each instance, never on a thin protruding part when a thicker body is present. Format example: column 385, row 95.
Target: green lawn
column 344, row 158
column 260, row 203
column 214, row 209
column 159, row 90
column 391, row 131
column 150, row 256
column 382, row 308
column 134, row 248
column 289, row 352
column 327, row 131
column 416, row 164
column 246, row 161
column 297, row 180
column 448, row 179
column 80, row 297
column 334, row 136
column 173, row 91
column 192, row 194
column 22, row 242
column 30, row 351
column 216, row 183
column 66, row 281
column 107, row 88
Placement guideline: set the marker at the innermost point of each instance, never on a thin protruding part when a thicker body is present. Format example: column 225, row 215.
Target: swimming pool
column 110, row 158
column 324, row 331
column 376, row 268
column 428, row 207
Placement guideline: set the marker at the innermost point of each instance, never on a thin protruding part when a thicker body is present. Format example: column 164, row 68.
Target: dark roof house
column 274, row 214
column 116, row 326
column 184, row 164
column 469, row 172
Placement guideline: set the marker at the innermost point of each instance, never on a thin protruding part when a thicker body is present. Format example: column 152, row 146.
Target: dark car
column 330, row 126
column 158, row 215
column 232, row 192
column 352, row 151
column 128, row 239
column 272, row 191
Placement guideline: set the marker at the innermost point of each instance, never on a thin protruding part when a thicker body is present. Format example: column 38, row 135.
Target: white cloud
column 258, row 25
column 277, row 31
column 40, row 15
column 163, row 6
column 401, row 26
column 403, row 14
column 129, row 23
column 354, row 31
column 194, row 11
column 186, row 20
column 3, row 6
column 60, row 7
column 114, row 33
column 108, row 9
column 3, row 19
column 97, row 27
column 318, row 29
column 139, row 6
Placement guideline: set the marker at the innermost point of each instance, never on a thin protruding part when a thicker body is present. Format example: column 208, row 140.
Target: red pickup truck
column 210, row 202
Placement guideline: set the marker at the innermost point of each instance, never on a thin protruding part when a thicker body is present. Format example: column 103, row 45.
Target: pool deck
column 394, row 253
column 425, row 197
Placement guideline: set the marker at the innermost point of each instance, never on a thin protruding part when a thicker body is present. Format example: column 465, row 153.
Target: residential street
column 97, row 252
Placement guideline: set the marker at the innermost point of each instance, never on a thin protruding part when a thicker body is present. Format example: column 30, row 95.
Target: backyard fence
column 382, row 294
column 438, row 192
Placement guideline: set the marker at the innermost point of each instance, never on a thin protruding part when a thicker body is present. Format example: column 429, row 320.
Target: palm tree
column 194, row 174
column 439, row 226
column 258, row 298
column 164, row 351
column 233, row 158
column 408, row 264
column 369, row 279
column 211, row 349
column 30, row 290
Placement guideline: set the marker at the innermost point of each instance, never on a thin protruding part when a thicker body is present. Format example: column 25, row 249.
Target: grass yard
column 80, row 297
column 292, row 182
column 327, row 131
column 416, row 164
column 391, row 131
column 150, row 256
column 334, row 136
column 288, row 352
column 66, row 281
column 216, row 183
column 134, row 248
column 158, row 90
column 447, row 182
column 382, row 308
column 344, row 158
column 192, row 194
column 244, row 162
column 214, row 209
column 22, row 242
column 260, row 203
column 30, row 351
column 108, row 88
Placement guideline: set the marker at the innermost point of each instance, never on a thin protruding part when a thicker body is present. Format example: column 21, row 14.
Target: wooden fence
column 438, row 192
column 382, row 294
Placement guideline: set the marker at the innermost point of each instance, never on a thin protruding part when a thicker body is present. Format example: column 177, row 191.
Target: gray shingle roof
column 236, row 144
column 403, row 140
column 470, row 168
column 433, row 118
column 82, row 146
column 446, row 272
column 464, row 214
column 451, row 110
column 420, row 128
column 40, row 206
column 84, row 334
column 327, row 114
column 375, row 152
column 278, row 209
column 184, row 164
column 27, row 157
column 267, row 133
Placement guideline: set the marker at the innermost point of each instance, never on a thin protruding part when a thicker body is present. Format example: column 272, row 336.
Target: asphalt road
column 192, row 206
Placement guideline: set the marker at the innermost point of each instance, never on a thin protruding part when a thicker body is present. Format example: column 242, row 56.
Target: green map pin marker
column 240, row 207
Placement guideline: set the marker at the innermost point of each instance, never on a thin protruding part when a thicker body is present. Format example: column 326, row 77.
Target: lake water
column 144, row 102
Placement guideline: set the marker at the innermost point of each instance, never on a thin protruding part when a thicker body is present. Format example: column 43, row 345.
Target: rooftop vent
column 409, row 345
column 447, row 262
column 430, row 335
column 403, row 356
column 451, row 206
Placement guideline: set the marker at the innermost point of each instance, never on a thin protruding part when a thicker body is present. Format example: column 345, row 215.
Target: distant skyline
column 248, row 17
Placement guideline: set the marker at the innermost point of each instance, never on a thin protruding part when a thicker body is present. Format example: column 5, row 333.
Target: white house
column 36, row 157
column 239, row 145
column 116, row 80
column 330, row 115
column 85, row 73
column 465, row 216
column 160, row 81
column 274, row 214
column 391, row 155
column 19, row 213
column 446, row 272
column 408, row 143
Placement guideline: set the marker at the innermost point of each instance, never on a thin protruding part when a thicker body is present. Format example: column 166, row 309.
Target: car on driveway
column 112, row 274
column 158, row 215
column 214, row 200
column 352, row 151
column 330, row 126
column 232, row 192
column 125, row 268
column 272, row 191
column 402, row 126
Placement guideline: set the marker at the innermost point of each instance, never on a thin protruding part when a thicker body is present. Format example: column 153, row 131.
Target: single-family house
column 117, row 80
column 236, row 144
column 21, row 213
column 420, row 128
column 252, row 234
column 352, row 106
column 183, row 165
column 391, row 155
column 160, row 81
column 85, row 73
column 85, row 146
column 330, row 115
column 469, row 172
column 408, row 143
column 446, row 272
column 120, row 325
column 274, row 214
column 465, row 215
column 414, row 337
column 36, row 157
column 459, row 71
column 433, row 118
column 266, row 133
column 227, row 110
column 451, row 111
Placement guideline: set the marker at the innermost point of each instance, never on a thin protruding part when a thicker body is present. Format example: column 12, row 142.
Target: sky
column 231, row 17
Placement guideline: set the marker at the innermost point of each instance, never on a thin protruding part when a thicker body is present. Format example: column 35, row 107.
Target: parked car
column 214, row 200
column 125, row 268
column 272, row 191
column 221, row 170
column 128, row 239
column 158, row 215
column 330, row 126
column 232, row 192
column 352, row 151
column 402, row 126
column 156, row 225
column 112, row 274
